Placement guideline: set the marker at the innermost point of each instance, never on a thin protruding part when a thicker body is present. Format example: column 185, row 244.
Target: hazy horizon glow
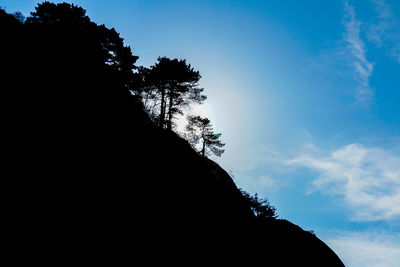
column 306, row 95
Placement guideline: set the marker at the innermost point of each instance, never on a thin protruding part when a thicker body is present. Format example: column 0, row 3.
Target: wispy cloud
column 372, row 249
column 384, row 30
column 385, row 21
column 361, row 66
column 367, row 178
column 396, row 52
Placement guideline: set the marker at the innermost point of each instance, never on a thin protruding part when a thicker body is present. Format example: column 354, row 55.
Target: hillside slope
column 92, row 177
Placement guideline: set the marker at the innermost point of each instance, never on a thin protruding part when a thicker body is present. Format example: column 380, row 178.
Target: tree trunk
column 203, row 151
column 162, row 111
column 169, row 122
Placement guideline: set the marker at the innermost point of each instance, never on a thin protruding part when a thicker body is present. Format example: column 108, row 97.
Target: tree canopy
column 167, row 87
column 261, row 207
column 200, row 132
column 66, row 31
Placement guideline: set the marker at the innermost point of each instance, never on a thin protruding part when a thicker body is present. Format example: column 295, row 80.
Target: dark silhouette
column 167, row 87
column 200, row 131
column 89, row 178
column 261, row 207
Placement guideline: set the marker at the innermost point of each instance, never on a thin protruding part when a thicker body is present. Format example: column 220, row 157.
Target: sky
column 306, row 95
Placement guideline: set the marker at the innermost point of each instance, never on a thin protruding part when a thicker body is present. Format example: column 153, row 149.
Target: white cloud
column 262, row 183
column 362, row 67
column 385, row 21
column 368, row 179
column 384, row 31
column 367, row 248
column 256, row 170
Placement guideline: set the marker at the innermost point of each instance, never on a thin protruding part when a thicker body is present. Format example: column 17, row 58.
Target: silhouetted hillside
column 91, row 176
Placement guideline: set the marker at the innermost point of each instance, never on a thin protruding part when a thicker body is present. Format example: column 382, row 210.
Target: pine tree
column 200, row 131
column 261, row 207
column 170, row 85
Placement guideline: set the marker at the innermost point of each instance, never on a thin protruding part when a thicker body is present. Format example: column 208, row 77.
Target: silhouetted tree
column 61, row 14
column 200, row 131
column 70, row 33
column 260, row 207
column 169, row 86
column 19, row 16
column 150, row 92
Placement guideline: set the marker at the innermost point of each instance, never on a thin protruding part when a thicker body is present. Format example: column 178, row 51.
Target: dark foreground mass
column 93, row 180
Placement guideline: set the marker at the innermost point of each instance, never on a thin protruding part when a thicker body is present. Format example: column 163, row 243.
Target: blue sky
column 307, row 96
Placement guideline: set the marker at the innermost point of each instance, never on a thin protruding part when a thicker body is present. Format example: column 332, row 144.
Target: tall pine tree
column 200, row 132
column 169, row 86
